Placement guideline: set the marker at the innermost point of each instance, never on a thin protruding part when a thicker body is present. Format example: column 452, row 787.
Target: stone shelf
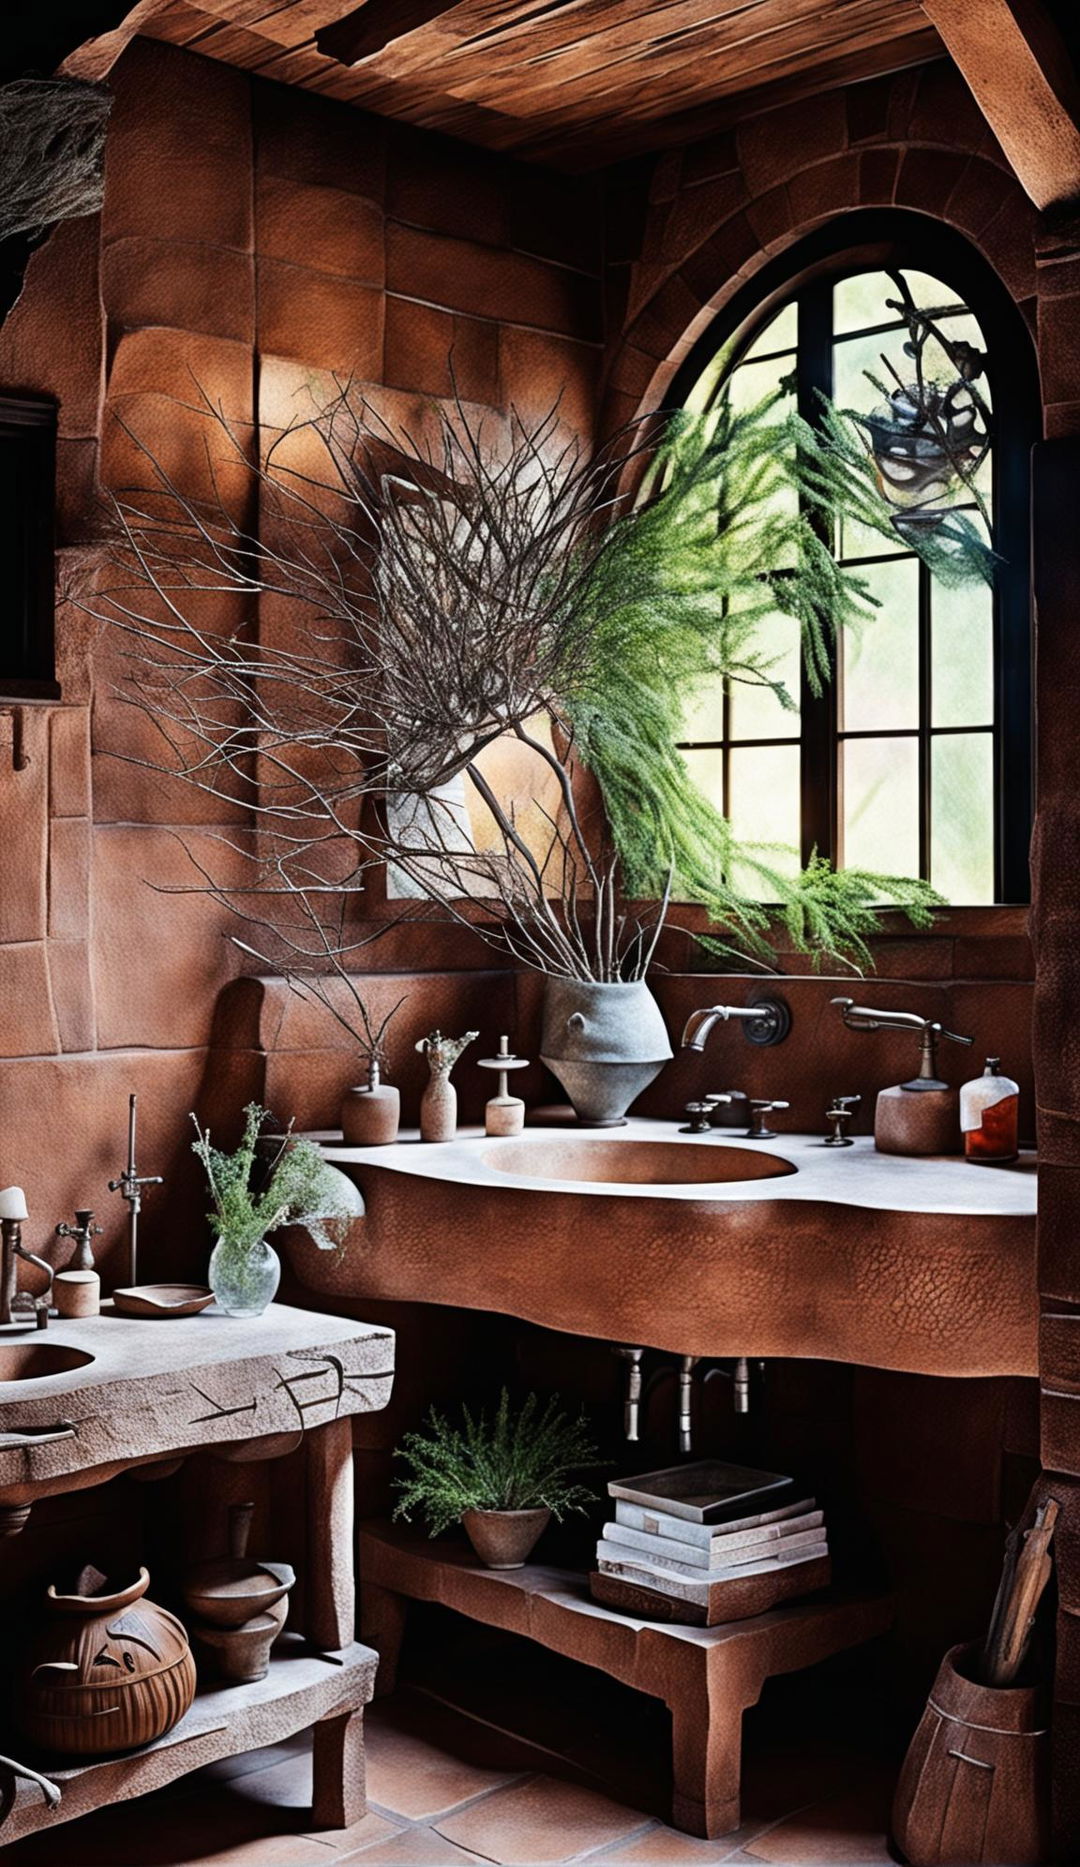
column 707, row 1676
column 302, row 1688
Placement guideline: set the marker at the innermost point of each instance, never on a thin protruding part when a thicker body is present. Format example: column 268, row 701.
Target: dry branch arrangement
column 478, row 581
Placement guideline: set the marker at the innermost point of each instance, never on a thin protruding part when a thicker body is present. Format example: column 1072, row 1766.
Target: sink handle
column 37, row 1435
column 760, row 1106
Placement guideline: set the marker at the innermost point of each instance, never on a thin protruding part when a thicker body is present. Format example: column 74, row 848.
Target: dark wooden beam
column 1018, row 69
column 375, row 25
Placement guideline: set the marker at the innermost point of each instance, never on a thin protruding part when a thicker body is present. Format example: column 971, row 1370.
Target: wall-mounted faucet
column 766, row 1021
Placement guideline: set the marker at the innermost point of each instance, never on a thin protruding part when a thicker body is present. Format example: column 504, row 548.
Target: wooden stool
column 707, row 1676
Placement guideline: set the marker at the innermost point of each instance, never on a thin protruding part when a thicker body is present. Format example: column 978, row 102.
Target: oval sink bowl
column 634, row 1163
column 29, row 1361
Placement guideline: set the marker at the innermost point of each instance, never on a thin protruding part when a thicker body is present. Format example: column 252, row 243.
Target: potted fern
column 503, row 1480
column 252, row 1198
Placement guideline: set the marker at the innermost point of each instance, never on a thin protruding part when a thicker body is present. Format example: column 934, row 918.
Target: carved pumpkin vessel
column 106, row 1672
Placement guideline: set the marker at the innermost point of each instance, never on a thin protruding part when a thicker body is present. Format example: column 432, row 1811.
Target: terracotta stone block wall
column 253, row 241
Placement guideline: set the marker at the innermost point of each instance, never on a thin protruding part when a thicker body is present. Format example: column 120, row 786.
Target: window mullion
column 818, row 757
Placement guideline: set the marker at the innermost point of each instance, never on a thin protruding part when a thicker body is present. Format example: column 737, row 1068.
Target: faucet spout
column 766, row 1021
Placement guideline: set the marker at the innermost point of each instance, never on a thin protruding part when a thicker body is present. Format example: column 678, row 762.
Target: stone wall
column 253, row 241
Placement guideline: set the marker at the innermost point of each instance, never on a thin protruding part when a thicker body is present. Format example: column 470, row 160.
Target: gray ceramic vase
column 604, row 1042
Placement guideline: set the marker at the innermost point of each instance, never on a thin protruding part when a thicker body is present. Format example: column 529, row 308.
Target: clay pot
column 975, row 1787
column 105, row 1672
column 604, row 1042
column 505, row 1539
column 241, row 1603
column 243, row 1653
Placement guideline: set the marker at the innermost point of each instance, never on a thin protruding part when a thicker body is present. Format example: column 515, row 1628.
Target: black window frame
column 28, row 534
column 875, row 239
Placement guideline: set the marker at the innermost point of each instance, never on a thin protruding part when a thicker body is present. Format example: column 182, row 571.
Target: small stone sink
column 634, row 1162
column 29, row 1361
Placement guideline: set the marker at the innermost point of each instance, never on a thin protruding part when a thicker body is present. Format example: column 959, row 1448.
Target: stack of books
column 713, row 1554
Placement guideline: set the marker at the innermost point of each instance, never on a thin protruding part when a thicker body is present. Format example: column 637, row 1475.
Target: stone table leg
column 706, row 1737
column 338, row 1790
column 331, row 1580
column 382, row 1626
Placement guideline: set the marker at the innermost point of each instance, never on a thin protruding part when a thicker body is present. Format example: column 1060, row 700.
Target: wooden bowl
column 163, row 1300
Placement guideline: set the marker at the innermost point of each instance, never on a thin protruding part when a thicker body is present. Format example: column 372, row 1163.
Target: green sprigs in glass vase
column 251, row 1200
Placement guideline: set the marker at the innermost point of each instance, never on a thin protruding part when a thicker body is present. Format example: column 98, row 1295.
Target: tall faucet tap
column 764, row 1021
column 13, row 1211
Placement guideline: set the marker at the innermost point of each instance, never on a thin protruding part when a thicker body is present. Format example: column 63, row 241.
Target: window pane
column 756, row 713
column 860, row 300
column 752, row 382
column 707, row 771
column 703, row 713
column 764, row 809
column 880, row 660
column 852, row 358
column 962, row 817
column 781, row 333
column 880, row 784
column 962, row 655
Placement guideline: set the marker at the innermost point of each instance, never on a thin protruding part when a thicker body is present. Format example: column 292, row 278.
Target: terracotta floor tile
column 408, row 1776
column 847, row 1829
column 416, row 1847
column 286, row 1786
column 663, row 1844
column 538, row 1821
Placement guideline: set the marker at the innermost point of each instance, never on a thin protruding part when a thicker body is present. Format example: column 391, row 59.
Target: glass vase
column 244, row 1278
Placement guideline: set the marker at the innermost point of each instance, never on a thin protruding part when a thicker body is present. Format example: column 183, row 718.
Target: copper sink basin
column 29, row 1361
column 634, row 1163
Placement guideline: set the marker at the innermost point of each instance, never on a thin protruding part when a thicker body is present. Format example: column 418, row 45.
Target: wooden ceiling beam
column 1019, row 72
column 368, row 30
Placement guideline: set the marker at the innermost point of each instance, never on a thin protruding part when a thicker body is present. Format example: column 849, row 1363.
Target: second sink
column 29, row 1361
column 633, row 1162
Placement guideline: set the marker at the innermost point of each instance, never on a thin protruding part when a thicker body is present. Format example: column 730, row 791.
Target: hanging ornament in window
column 929, row 438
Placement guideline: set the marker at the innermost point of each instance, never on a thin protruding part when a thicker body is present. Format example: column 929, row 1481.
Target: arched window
column 916, row 759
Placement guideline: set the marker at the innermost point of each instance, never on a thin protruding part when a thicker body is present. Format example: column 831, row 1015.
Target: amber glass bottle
column 989, row 1115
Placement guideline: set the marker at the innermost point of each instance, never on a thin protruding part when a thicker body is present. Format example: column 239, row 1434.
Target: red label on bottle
column 995, row 1139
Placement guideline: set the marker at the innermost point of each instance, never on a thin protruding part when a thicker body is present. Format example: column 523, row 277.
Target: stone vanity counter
column 91, row 1396
column 840, row 1253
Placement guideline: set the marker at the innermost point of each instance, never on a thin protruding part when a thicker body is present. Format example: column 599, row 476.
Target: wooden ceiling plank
column 603, row 144
column 741, row 61
column 1019, row 72
column 686, row 34
column 178, row 24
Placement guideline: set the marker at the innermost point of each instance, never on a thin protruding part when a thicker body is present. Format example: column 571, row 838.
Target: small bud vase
column 438, row 1104
column 243, row 1278
column 370, row 1115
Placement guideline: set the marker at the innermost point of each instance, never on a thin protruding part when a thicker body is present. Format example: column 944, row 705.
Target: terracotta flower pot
column 505, row 1539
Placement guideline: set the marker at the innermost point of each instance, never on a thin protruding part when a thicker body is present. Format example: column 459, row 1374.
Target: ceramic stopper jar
column 990, row 1114
column 370, row 1114
column 107, row 1671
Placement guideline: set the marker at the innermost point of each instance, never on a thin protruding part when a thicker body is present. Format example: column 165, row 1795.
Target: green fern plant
column 517, row 1460
column 732, row 532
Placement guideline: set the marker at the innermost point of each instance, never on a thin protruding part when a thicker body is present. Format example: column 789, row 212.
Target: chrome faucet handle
column 760, row 1107
column 839, row 1114
column 699, row 1117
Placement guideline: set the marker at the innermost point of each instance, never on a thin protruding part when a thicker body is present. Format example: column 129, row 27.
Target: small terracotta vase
column 505, row 1539
column 370, row 1114
column 106, row 1672
column 438, row 1104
